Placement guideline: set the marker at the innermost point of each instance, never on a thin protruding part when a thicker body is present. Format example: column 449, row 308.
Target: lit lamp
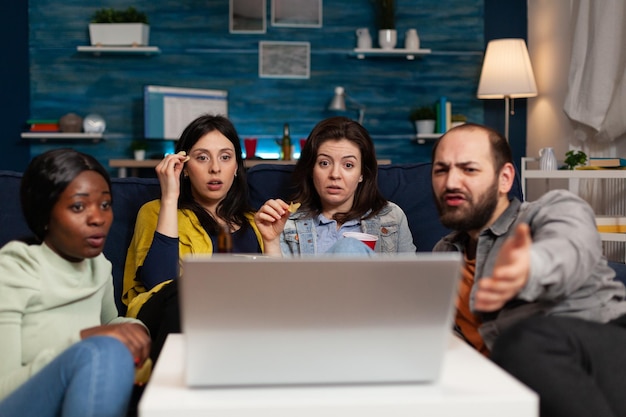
column 506, row 74
column 338, row 103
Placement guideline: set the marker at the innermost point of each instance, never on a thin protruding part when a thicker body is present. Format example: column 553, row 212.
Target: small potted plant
column 424, row 118
column 119, row 27
column 386, row 16
column 457, row 120
column 574, row 159
column 139, row 148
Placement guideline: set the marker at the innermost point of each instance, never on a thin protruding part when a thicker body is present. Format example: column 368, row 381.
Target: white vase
column 140, row 154
column 425, row 126
column 387, row 38
column 547, row 160
column 411, row 40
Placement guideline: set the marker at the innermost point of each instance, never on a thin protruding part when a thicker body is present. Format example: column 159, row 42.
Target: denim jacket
column 390, row 225
column 568, row 273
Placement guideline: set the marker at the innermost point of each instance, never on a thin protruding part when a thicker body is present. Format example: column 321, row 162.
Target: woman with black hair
column 203, row 194
column 64, row 350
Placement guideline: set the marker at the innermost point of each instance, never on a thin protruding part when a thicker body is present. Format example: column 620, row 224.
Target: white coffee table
column 470, row 385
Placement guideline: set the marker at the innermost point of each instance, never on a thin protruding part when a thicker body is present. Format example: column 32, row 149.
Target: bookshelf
column 608, row 202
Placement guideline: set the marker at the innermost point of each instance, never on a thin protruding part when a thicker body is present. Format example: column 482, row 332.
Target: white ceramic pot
column 425, row 126
column 119, row 34
column 411, row 40
column 387, row 38
column 140, row 154
column 364, row 40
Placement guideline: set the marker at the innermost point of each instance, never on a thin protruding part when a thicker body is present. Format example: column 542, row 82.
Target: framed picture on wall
column 247, row 16
column 284, row 59
column 297, row 13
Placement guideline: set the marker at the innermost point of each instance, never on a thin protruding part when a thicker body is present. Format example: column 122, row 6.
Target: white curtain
column 596, row 97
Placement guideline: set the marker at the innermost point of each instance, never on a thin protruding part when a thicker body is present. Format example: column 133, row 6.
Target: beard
column 473, row 216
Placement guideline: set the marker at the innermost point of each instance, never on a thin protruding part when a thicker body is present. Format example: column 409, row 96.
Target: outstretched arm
column 510, row 272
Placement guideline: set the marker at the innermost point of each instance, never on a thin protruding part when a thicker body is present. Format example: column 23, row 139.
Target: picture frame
column 247, row 16
column 284, row 59
column 297, row 13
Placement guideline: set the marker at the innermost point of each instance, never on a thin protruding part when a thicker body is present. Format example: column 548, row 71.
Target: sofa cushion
column 129, row 194
column 12, row 223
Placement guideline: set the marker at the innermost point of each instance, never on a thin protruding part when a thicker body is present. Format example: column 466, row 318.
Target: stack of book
column 41, row 125
column 611, row 224
column 605, row 163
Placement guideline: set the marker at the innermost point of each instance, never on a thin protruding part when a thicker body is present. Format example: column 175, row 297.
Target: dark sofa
column 407, row 185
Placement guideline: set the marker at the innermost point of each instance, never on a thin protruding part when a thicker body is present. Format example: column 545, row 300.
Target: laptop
column 262, row 321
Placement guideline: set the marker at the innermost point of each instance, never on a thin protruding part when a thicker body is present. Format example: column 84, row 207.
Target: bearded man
column 536, row 294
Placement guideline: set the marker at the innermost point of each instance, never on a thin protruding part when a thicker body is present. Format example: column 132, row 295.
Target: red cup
column 250, row 145
column 369, row 240
column 302, row 143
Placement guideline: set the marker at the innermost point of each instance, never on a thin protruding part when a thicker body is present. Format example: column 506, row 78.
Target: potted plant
column 139, row 148
column 574, row 159
column 457, row 120
column 424, row 118
column 119, row 27
column 386, row 16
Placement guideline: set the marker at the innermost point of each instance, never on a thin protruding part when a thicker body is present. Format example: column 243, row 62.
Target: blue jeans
column 92, row 378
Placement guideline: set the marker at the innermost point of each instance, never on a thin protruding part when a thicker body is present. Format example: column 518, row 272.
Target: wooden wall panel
column 198, row 51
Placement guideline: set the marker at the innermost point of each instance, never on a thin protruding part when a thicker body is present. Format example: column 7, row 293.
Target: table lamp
column 506, row 73
column 338, row 103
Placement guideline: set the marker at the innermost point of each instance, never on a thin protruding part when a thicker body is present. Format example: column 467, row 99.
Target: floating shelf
column 423, row 137
column 410, row 54
column 97, row 50
column 45, row 136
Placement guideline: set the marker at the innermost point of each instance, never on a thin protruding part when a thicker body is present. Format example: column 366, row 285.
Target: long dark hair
column 233, row 207
column 45, row 179
column 367, row 195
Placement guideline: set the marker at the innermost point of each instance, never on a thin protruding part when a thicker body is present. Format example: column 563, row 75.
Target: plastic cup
column 302, row 143
column 250, row 145
column 369, row 240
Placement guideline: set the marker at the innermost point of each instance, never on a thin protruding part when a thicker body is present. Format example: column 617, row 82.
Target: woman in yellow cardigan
column 203, row 194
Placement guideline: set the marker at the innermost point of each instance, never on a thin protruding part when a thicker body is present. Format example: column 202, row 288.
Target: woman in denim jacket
column 336, row 183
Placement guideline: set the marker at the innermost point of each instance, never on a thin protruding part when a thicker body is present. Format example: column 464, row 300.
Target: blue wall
column 198, row 51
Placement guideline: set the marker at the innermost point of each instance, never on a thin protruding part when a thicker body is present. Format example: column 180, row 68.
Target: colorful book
column 444, row 113
column 43, row 125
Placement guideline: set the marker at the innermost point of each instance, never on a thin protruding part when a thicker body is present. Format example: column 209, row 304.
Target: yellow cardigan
column 193, row 239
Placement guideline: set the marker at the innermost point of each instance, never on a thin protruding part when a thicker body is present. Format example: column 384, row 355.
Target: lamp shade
column 338, row 102
column 506, row 71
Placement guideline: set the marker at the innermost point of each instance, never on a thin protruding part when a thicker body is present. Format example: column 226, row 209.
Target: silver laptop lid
column 258, row 320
